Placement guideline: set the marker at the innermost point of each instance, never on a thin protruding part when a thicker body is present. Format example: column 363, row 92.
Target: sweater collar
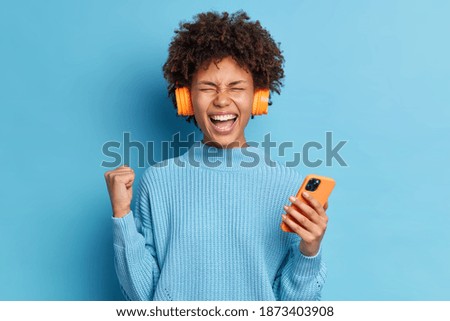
column 240, row 158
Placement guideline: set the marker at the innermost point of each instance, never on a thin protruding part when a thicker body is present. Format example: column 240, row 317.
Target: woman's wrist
column 309, row 249
column 121, row 212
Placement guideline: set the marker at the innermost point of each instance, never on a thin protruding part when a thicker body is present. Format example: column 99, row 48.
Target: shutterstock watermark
column 120, row 152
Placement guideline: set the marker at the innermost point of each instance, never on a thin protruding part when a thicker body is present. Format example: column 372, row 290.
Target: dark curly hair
column 213, row 36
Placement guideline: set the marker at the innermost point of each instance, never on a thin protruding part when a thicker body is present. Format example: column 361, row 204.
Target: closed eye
column 211, row 90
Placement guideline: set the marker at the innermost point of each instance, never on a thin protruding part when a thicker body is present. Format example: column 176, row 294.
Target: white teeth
column 223, row 117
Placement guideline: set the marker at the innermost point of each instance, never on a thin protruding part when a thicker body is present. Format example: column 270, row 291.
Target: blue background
column 75, row 75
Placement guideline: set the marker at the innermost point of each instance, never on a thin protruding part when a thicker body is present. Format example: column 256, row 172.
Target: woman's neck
column 235, row 144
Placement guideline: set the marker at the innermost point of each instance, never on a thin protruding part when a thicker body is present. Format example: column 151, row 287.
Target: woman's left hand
column 310, row 222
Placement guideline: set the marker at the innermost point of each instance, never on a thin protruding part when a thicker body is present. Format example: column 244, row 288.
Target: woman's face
column 222, row 97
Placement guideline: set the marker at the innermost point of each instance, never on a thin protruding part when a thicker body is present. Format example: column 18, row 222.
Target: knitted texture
column 206, row 226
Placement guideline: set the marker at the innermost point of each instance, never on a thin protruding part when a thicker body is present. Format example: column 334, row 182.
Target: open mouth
column 223, row 122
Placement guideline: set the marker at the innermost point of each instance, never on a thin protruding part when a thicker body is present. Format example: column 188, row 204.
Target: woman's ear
column 184, row 102
column 260, row 102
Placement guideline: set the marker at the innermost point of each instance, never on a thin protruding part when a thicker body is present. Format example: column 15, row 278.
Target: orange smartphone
column 319, row 187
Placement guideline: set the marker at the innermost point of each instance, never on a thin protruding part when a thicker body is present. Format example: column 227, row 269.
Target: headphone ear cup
column 260, row 102
column 184, row 103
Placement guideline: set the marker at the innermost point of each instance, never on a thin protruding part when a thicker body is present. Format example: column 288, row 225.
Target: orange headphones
column 184, row 103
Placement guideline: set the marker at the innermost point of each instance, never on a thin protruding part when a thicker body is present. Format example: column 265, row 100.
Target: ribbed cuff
column 124, row 229
column 306, row 266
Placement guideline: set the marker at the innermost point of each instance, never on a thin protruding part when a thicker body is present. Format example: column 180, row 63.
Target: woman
column 206, row 225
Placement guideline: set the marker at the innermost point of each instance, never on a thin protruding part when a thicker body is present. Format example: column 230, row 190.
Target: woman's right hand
column 120, row 189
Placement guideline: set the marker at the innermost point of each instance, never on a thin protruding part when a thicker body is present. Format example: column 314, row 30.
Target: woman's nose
column 221, row 99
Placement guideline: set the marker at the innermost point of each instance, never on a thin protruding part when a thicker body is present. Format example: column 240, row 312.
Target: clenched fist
column 120, row 189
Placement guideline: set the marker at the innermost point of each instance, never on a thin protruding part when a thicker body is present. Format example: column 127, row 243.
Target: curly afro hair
column 213, row 36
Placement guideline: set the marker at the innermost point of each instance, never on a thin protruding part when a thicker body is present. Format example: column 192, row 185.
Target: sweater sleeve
column 134, row 252
column 301, row 277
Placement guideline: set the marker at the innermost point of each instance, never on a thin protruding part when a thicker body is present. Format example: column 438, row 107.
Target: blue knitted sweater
column 206, row 226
